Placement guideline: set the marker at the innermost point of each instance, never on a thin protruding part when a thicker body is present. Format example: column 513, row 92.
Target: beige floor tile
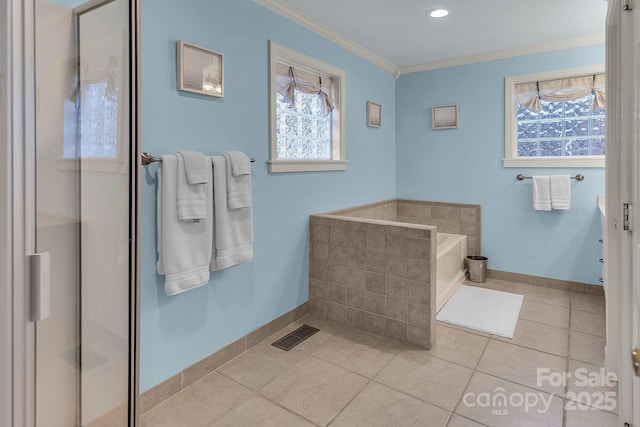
column 426, row 377
column 481, row 403
column 259, row 411
column 587, row 417
column 544, row 295
column 459, row 421
column 260, row 364
column 520, row 365
column 586, row 348
column 495, row 284
column 589, row 385
column 463, row 329
column 588, row 323
column 532, row 293
column 548, row 314
column 198, row 404
column 116, row 417
column 380, row 406
column 458, row 346
column 537, row 336
column 327, row 326
column 314, row 389
column 586, row 302
column 362, row 353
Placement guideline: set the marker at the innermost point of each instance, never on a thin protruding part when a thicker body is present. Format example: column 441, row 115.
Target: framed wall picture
column 444, row 117
column 374, row 114
column 200, row 70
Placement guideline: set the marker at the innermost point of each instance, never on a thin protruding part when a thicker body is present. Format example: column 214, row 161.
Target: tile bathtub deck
column 345, row 377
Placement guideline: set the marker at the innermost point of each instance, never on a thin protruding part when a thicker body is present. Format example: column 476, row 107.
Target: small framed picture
column 374, row 114
column 200, row 70
column 444, row 117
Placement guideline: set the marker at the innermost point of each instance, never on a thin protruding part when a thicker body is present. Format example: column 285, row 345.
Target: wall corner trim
column 293, row 14
column 503, row 54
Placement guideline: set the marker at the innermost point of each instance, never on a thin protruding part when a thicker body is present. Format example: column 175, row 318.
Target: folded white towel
column 560, row 191
column 541, row 193
column 192, row 195
column 240, row 163
column 184, row 248
column 197, row 166
column 238, row 179
column 233, row 229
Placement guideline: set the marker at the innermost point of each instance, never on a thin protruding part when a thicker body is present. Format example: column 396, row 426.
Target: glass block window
column 562, row 128
column 556, row 119
column 303, row 128
column 306, row 113
column 98, row 121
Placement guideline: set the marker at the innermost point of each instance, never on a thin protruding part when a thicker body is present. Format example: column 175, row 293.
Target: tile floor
column 344, row 377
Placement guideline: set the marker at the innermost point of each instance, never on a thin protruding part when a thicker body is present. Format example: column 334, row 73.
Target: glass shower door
column 83, row 184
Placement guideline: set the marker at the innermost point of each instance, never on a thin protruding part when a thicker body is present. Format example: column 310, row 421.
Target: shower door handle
column 40, row 286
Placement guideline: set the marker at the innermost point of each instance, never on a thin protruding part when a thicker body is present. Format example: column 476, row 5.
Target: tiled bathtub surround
column 454, row 218
column 374, row 274
column 374, row 266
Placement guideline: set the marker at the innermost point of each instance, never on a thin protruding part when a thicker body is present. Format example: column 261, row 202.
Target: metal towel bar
column 578, row 177
column 148, row 158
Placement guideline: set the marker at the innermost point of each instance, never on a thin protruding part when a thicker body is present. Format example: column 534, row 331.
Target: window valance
column 530, row 94
column 288, row 79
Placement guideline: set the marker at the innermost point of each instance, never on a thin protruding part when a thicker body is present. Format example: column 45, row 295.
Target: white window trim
column 338, row 141
column 511, row 158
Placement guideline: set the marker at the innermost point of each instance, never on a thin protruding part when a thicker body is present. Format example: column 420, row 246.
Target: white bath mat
column 484, row 310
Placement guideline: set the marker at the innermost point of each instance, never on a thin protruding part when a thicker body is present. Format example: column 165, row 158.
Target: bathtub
column 451, row 252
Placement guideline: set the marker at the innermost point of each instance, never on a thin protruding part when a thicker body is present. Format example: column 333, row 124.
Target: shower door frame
column 17, row 396
column 18, row 214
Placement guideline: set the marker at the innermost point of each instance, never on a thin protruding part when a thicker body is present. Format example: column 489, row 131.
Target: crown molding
column 293, row 14
column 503, row 54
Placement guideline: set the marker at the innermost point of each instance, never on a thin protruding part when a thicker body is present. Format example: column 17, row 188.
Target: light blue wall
column 465, row 165
column 180, row 330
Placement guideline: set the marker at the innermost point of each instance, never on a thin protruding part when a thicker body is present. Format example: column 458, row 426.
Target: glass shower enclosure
column 85, row 349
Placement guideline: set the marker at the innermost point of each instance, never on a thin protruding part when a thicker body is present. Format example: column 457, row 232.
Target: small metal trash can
column 477, row 268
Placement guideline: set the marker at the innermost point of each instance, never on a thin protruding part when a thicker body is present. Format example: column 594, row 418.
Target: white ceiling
column 400, row 32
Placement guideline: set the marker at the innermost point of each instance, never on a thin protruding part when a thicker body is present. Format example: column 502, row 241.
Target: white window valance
column 99, row 70
column 530, row 94
column 288, row 79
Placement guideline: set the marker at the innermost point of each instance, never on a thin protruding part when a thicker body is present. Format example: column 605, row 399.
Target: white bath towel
column 233, row 229
column 560, row 192
column 184, row 248
column 238, row 179
column 192, row 185
column 240, row 163
column 541, row 193
column 197, row 167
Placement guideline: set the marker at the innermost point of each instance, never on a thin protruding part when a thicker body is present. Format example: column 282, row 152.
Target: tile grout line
column 370, row 380
column 566, row 386
column 530, row 348
column 258, row 391
column 523, row 385
column 305, row 357
column 310, row 355
column 588, row 363
column 474, row 369
column 566, row 399
column 473, row 372
column 412, row 396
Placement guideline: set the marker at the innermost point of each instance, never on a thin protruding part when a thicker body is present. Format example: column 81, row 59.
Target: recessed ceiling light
column 438, row 13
